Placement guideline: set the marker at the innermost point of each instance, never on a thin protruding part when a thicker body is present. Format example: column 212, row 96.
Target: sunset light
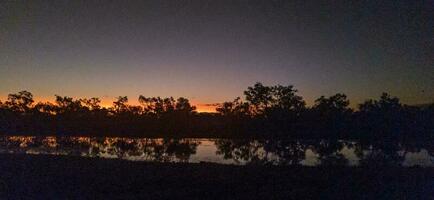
column 216, row 99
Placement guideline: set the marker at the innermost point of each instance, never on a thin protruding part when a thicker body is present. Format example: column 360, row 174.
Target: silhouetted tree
column 266, row 111
column 425, row 121
column 381, row 118
column 236, row 115
column 235, row 108
column 337, row 103
column 385, row 104
column 157, row 105
column 92, row 103
column 120, row 105
column 183, row 105
column 147, row 103
column 259, row 96
column 285, row 98
column 20, row 102
column 331, row 115
column 276, row 109
column 46, row 108
column 266, row 98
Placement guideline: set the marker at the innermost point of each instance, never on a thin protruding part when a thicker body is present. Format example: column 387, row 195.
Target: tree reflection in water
column 282, row 152
column 163, row 150
column 330, row 152
column 380, row 154
column 327, row 152
column 241, row 151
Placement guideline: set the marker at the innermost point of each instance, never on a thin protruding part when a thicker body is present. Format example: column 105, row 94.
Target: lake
column 227, row 151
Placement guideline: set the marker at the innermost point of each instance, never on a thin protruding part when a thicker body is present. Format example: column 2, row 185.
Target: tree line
column 263, row 112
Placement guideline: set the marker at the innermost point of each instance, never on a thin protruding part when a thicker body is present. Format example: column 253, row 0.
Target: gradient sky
column 210, row 51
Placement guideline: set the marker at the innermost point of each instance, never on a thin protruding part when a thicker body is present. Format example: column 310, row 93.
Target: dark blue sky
column 210, row 51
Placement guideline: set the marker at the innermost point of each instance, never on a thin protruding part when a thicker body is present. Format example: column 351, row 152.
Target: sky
column 211, row 51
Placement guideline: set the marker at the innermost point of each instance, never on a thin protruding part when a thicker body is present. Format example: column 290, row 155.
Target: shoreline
column 233, row 137
column 45, row 176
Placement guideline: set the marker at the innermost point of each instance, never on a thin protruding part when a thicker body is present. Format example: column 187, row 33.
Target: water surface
column 227, row 151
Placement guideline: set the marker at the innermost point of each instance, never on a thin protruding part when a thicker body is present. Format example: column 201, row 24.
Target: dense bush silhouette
column 265, row 111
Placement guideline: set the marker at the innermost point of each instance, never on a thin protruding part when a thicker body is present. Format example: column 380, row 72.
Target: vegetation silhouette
column 325, row 153
column 162, row 150
column 264, row 112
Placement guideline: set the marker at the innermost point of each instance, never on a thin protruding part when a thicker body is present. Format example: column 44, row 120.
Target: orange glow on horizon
column 206, row 108
column 108, row 102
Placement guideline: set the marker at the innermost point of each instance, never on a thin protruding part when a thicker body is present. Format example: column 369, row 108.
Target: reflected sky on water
column 226, row 151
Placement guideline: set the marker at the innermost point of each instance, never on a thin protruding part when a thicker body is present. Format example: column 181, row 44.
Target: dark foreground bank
column 51, row 177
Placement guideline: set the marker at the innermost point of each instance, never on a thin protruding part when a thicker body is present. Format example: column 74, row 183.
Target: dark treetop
column 265, row 111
